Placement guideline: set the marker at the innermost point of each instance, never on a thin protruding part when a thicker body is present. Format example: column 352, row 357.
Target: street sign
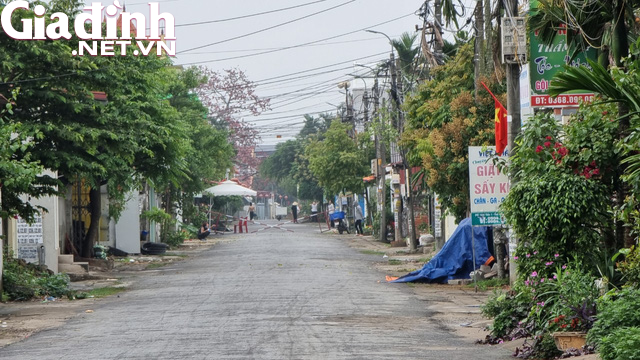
column 548, row 60
column 488, row 187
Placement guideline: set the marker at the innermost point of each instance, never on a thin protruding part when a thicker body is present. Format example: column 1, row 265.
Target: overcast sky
column 312, row 91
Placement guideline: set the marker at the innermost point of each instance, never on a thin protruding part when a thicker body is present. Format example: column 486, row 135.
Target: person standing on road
column 357, row 214
column 314, row 211
column 330, row 210
column 252, row 211
column 204, row 231
column 294, row 212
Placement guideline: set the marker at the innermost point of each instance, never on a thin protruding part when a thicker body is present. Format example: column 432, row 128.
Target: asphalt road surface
column 270, row 295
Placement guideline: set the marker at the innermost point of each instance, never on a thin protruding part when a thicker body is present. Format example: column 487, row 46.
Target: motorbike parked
column 339, row 221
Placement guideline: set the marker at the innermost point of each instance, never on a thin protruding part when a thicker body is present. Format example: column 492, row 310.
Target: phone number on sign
column 560, row 100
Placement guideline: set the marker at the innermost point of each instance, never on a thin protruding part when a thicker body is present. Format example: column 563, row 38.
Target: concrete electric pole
column 513, row 107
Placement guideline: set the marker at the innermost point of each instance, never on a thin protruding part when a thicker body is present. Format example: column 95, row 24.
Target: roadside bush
column 615, row 311
column 549, row 211
column 630, row 267
column 23, row 281
column 507, row 310
column 561, row 202
column 167, row 223
column 571, row 295
column 177, row 237
column 622, row 344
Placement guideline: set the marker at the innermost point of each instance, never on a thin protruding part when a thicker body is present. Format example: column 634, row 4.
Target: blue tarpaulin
column 455, row 259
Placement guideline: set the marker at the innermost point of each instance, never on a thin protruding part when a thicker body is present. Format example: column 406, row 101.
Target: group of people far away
column 204, row 230
column 357, row 215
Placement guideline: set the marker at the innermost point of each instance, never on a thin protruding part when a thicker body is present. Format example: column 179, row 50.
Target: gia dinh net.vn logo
column 95, row 43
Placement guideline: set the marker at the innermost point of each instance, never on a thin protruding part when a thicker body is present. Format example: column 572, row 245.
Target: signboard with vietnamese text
column 488, row 187
column 29, row 236
column 546, row 60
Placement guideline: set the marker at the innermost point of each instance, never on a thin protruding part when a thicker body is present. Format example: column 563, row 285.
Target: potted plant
column 570, row 331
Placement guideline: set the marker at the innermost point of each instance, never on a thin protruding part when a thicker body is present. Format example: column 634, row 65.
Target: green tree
column 315, row 126
column 208, row 152
column 337, row 161
column 136, row 134
column 444, row 119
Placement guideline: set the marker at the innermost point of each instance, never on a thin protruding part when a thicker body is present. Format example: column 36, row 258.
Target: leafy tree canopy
column 337, row 161
column 444, row 119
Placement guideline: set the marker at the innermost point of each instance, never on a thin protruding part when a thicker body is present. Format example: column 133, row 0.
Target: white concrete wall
column 127, row 229
column 449, row 226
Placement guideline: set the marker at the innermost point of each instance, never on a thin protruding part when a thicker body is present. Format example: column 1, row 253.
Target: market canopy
column 230, row 188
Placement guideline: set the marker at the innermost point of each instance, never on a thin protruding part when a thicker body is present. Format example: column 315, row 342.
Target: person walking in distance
column 294, row 212
column 357, row 214
column 252, row 211
column 314, row 211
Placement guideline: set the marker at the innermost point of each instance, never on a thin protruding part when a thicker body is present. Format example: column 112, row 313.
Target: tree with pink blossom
column 230, row 97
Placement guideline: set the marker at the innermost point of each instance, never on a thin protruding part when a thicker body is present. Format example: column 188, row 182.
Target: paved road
column 270, row 295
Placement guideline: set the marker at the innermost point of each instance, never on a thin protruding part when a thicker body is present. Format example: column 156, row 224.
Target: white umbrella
column 230, row 188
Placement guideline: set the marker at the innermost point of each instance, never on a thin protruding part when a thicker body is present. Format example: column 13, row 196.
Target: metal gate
column 80, row 216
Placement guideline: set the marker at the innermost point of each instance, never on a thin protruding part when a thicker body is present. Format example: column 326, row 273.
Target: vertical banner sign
column 548, row 60
column 29, row 237
column 488, row 187
column 437, row 217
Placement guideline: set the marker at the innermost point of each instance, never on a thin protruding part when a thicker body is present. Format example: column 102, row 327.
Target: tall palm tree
column 407, row 52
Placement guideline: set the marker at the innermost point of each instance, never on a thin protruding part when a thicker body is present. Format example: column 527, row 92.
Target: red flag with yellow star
column 501, row 128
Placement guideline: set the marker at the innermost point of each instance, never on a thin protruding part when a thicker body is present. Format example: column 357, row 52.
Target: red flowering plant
column 561, row 198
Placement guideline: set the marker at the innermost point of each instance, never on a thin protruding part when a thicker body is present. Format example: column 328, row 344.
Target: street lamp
column 385, row 35
column 396, row 94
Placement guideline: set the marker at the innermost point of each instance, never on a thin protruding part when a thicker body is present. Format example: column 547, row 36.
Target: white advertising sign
column 488, row 187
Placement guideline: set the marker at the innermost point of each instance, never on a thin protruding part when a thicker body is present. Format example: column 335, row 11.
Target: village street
column 265, row 295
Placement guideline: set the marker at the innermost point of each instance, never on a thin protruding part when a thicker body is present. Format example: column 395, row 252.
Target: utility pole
column 478, row 58
column 397, row 197
column 413, row 242
column 440, row 58
column 513, row 107
column 365, row 104
column 381, row 161
column 437, row 45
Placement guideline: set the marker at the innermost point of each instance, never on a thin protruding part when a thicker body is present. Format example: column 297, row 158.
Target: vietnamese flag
column 501, row 128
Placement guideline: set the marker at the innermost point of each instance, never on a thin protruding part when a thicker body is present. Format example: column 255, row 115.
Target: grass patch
column 156, row 265
column 485, row 285
column 105, row 291
column 174, row 254
column 371, row 252
column 411, row 284
column 424, row 260
column 405, row 270
column 395, row 262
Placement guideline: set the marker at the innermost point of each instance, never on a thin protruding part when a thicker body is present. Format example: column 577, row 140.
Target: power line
column 268, row 28
column 321, row 67
column 298, row 45
column 278, row 48
column 250, row 15
column 291, row 116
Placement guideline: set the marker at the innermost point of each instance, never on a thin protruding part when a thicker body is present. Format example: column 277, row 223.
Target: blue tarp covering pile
column 455, row 260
